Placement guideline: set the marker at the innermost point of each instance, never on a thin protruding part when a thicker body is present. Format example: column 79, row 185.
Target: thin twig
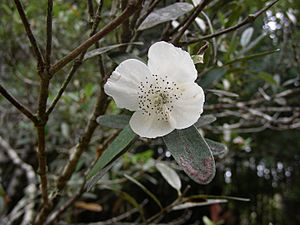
column 198, row 10
column 30, row 36
column 66, row 205
column 139, row 21
column 99, row 109
column 91, row 9
column 49, row 35
column 130, row 9
column 149, row 10
column 72, row 72
column 78, row 61
column 18, row 105
column 249, row 19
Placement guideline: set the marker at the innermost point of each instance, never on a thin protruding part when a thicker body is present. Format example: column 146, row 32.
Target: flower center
column 157, row 96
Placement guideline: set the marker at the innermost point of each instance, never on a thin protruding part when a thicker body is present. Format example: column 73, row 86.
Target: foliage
column 251, row 80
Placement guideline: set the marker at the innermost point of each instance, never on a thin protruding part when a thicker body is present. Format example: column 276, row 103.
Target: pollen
column 157, row 95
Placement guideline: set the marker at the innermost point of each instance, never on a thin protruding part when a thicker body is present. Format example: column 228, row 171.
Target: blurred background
column 251, row 80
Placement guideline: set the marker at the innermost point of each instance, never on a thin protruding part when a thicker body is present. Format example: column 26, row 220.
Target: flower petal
column 188, row 108
column 149, row 126
column 122, row 85
column 167, row 60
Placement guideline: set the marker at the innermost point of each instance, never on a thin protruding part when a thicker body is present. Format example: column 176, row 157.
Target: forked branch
column 130, row 9
column 30, row 35
column 249, row 19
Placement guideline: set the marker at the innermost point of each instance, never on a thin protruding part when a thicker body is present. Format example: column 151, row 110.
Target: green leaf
column 114, row 121
column 151, row 195
column 165, row 14
column 212, row 76
column 192, row 154
column 218, row 149
column 187, row 205
column 246, row 36
column 102, row 50
column 95, row 178
column 253, row 56
column 197, row 58
column 267, row 77
column 120, row 143
column 205, row 120
column 207, row 221
column 169, row 175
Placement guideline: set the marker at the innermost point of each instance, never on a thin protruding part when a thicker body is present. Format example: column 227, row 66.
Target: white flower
column 163, row 94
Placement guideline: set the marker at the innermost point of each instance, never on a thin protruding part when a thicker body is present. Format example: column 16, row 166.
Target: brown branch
column 139, row 21
column 41, row 154
column 41, row 151
column 53, row 217
column 249, row 19
column 91, row 124
column 30, row 35
column 18, row 105
column 99, row 109
column 66, row 82
column 78, row 62
column 144, row 16
column 91, row 9
column 130, row 9
column 198, row 10
column 49, row 35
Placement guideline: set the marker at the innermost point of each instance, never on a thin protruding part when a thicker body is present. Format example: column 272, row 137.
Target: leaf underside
column 192, row 153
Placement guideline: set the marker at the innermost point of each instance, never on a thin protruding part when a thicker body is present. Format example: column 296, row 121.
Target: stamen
column 158, row 96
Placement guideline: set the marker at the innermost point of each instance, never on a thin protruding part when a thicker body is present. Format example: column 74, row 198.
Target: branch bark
column 30, row 36
column 198, row 10
column 18, row 105
column 130, row 9
column 49, row 36
column 249, row 19
column 99, row 109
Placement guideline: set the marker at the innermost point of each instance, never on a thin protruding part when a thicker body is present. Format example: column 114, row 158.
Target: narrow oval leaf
column 102, row 50
column 165, row 14
column 95, row 178
column 114, row 121
column 187, row 205
column 170, row 175
column 120, row 143
column 212, row 76
column 192, row 153
column 205, row 120
column 144, row 189
column 218, row 149
column 267, row 78
column 246, row 36
column 252, row 57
